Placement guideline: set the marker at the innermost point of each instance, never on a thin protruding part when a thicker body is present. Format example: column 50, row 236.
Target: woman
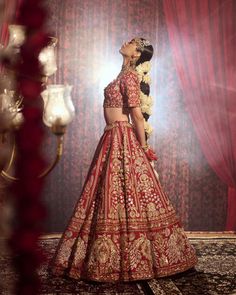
column 123, row 227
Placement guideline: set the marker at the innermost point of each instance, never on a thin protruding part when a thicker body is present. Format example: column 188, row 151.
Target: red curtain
column 203, row 40
column 4, row 25
column 10, row 9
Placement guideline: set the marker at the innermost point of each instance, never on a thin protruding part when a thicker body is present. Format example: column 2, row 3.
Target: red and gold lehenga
column 123, row 227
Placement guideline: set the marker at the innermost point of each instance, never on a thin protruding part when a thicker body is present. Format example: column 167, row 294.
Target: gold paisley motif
column 80, row 213
column 80, row 251
column 104, row 253
column 65, row 252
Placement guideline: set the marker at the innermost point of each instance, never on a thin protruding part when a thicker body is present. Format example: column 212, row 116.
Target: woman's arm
column 137, row 120
column 131, row 89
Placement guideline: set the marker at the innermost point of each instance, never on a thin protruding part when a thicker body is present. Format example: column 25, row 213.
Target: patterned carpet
column 214, row 274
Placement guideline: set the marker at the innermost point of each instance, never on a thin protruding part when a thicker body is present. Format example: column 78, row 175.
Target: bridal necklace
column 126, row 68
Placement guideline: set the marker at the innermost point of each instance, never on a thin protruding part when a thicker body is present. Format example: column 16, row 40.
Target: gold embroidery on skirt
column 123, row 224
column 104, row 256
column 114, row 124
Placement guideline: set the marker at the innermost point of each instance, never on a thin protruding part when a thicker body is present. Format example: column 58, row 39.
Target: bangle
column 145, row 147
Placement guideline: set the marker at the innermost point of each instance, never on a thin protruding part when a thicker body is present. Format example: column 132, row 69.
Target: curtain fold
column 203, row 40
column 10, row 10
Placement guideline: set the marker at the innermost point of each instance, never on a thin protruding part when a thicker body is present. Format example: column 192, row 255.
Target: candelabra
column 58, row 107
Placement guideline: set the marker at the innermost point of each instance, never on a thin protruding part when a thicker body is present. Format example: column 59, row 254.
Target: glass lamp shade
column 18, row 120
column 47, row 59
column 58, row 106
column 68, row 101
column 17, row 35
column 7, row 102
column 9, row 110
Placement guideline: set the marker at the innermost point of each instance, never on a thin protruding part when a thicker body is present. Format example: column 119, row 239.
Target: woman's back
column 116, row 114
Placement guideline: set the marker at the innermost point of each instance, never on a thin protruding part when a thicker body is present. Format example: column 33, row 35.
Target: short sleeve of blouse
column 132, row 90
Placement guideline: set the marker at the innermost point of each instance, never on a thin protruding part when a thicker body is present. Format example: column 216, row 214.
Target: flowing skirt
column 123, row 227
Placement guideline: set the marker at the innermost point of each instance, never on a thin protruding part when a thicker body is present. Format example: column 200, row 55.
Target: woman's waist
column 115, row 114
column 118, row 123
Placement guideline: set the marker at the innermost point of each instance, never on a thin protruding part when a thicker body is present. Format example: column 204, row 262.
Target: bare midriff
column 116, row 114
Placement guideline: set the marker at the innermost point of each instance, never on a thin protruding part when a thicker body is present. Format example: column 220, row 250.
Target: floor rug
column 214, row 274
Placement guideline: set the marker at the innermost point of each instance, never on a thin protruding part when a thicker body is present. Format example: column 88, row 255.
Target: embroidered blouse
column 124, row 91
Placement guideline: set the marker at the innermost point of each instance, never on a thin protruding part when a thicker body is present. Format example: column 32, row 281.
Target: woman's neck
column 126, row 64
column 126, row 61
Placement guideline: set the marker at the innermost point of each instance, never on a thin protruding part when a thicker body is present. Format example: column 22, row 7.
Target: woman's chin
column 121, row 51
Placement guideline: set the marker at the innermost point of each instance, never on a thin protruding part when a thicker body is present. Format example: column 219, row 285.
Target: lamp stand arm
column 5, row 175
column 57, row 158
column 4, row 172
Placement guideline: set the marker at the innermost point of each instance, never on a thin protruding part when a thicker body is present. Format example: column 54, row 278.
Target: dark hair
column 146, row 55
